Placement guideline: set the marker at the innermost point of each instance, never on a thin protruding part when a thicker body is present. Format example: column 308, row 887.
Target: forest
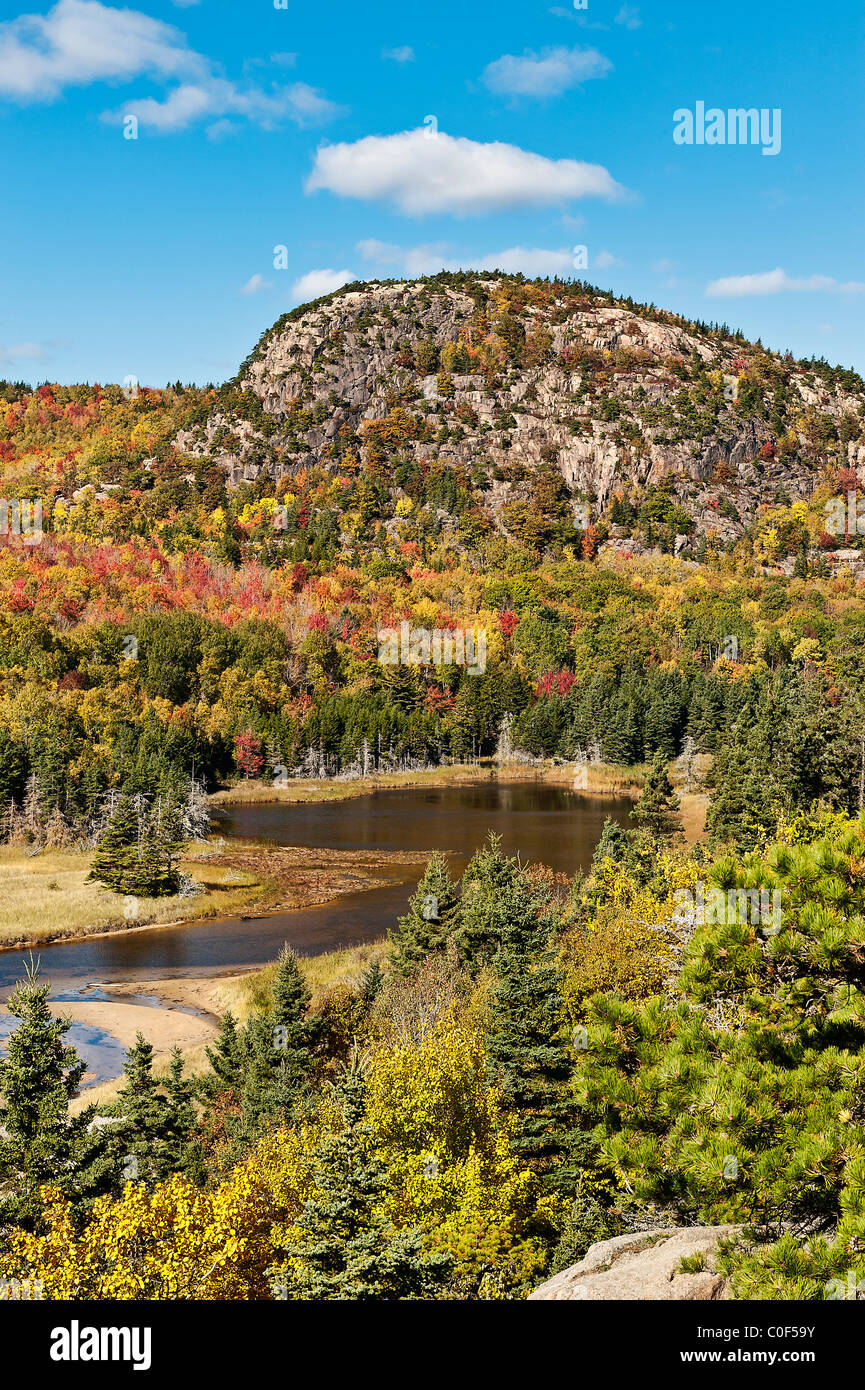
column 527, row 1062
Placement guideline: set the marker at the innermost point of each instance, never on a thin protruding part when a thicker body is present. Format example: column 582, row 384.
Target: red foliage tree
column 248, row 754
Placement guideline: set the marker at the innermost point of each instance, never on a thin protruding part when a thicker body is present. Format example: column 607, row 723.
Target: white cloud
column 664, row 266
column 83, row 41
column 221, row 128
column 545, row 74
column 629, row 17
column 316, row 283
column 403, row 54
column 429, row 258
column 219, row 98
column 778, row 282
column 422, row 173
column 605, row 259
column 529, row 260
column 20, row 351
column 308, row 106
column 425, row 259
column 255, row 284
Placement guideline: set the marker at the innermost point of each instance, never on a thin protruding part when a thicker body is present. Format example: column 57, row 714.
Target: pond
column 552, row 825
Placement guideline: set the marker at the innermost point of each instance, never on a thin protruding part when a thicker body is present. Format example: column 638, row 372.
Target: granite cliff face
column 506, row 380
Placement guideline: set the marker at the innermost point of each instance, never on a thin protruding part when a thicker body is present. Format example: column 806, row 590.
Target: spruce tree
column 143, row 1139
column 430, row 920
column 183, row 1148
column 115, row 861
column 744, row 807
column 137, row 852
column 281, row 1041
column 656, row 808
column 40, row 1143
column 348, row 1248
column 488, row 877
column 227, row 1058
column 161, row 844
column 370, row 985
column 529, row 1057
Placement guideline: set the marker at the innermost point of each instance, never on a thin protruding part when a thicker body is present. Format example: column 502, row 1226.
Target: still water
column 540, row 823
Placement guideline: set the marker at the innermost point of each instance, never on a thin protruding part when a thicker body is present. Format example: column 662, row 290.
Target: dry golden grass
column 46, row 897
column 244, row 993
column 319, row 789
column 602, row 779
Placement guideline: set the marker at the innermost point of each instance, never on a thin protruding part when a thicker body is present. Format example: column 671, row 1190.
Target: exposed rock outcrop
column 613, row 397
column 646, row 1265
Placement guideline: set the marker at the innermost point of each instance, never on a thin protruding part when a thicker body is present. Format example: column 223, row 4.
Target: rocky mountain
column 545, row 398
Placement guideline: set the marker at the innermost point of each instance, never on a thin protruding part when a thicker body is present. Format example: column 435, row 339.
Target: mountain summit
column 552, row 404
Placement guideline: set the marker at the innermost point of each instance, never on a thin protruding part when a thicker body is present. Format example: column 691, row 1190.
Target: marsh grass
column 46, row 897
column 603, row 779
column 244, row 994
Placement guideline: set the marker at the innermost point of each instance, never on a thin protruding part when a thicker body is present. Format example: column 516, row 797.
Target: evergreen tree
column 430, row 920
column 155, row 1136
column 183, row 1150
column 529, row 1059
column 656, row 808
column 370, row 985
column 227, row 1058
column 143, row 1111
column 280, row 1044
column 162, row 841
column 348, row 1249
column 40, row 1143
column 137, row 851
column 116, row 858
column 743, row 806
column 488, row 877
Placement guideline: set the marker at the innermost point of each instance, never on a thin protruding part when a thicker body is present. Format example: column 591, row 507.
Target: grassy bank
column 45, row 897
column 602, row 779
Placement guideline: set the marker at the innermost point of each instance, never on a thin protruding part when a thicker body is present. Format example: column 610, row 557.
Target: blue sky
column 386, row 139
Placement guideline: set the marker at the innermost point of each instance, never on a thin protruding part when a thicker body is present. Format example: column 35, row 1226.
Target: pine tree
column 142, row 1140
column 529, row 1059
column 348, row 1248
column 40, row 1143
column 115, row 861
column 430, row 920
column 489, row 875
column 280, row 1052
column 656, row 808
